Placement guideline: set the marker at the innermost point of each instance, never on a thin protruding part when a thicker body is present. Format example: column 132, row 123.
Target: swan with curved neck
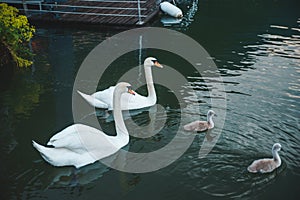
column 200, row 126
column 79, row 145
column 104, row 99
column 267, row 164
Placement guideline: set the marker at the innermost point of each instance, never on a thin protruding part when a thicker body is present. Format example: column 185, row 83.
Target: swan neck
column 209, row 119
column 276, row 156
column 149, row 81
column 122, row 133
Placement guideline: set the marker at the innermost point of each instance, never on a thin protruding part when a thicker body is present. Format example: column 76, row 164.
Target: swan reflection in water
column 72, row 177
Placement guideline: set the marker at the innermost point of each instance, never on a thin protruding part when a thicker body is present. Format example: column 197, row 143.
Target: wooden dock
column 98, row 12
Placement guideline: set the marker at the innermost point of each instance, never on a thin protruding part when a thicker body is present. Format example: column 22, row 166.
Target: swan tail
column 38, row 147
column 43, row 151
column 255, row 166
column 251, row 169
column 92, row 100
column 60, row 157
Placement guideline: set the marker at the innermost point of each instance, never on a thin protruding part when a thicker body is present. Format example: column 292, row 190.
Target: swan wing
column 93, row 101
column 104, row 99
column 80, row 138
column 262, row 165
column 106, row 95
column 70, row 130
column 137, row 101
column 64, row 157
column 128, row 101
column 77, row 145
column 198, row 126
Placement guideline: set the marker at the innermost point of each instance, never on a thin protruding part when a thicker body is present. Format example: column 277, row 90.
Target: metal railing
column 114, row 1
column 82, row 9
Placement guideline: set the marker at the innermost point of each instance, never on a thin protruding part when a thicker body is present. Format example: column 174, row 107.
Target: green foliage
column 15, row 33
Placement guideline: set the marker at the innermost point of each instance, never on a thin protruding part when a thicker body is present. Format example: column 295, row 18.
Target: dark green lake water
column 256, row 47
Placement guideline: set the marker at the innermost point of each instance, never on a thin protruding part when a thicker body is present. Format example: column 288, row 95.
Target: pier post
column 140, row 59
column 25, row 7
column 140, row 22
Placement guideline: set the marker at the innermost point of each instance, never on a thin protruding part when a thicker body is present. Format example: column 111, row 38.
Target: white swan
column 267, row 164
column 104, row 99
column 79, row 145
column 201, row 126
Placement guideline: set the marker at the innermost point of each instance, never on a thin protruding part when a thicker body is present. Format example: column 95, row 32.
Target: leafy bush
column 15, row 33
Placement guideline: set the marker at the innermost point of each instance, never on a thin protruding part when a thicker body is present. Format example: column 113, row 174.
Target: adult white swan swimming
column 267, row 164
column 79, row 145
column 104, row 99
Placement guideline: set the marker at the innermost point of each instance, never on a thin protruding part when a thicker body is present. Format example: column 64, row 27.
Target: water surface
column 256, row 46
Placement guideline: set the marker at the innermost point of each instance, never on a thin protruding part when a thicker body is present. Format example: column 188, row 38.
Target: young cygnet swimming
column 267, row 164
column 200, row 126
